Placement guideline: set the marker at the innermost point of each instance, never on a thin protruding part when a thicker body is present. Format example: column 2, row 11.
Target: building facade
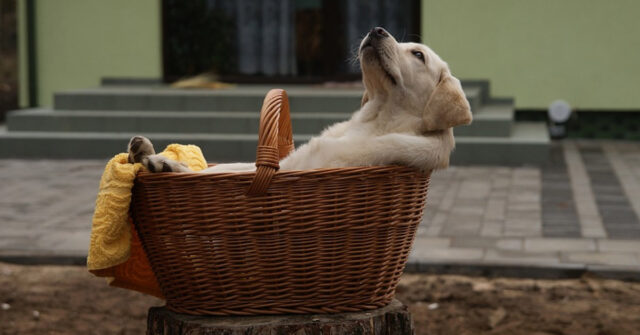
column 585, row 52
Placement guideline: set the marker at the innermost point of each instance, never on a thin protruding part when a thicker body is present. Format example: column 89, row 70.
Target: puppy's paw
column 158, row 163
column 139, row 147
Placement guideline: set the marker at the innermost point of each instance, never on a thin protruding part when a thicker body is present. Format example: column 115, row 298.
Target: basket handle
column 275, row 140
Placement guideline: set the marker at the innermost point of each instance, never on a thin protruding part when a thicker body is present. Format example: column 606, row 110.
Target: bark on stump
column 390, row 320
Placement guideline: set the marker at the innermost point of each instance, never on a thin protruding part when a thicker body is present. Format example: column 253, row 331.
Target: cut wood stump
column 394, row 319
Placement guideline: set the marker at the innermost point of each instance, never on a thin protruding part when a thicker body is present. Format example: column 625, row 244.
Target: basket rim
column 144, row 175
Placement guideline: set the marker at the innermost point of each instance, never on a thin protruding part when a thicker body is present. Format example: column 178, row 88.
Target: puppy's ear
column 447, row 107
column 365, row 98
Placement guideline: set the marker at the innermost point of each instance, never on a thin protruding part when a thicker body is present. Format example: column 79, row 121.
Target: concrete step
column 485, row 92
column 160, row 122
column 483, row 85
column 474, row 96
column 238, row 99
column 529, row 144
column 490, row 121
column 307, row 99
column 32, row 144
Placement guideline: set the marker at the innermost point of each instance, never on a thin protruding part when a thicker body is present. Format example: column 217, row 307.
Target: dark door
column 276, row 40
column 8, row 57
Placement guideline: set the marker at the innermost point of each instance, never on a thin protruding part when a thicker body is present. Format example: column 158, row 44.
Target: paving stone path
column 578, row 213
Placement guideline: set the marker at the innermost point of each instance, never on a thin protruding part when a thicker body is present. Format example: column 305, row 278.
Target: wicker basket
column 317, row 241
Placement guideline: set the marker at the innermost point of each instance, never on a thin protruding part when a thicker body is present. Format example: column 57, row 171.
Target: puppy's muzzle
column 374, row 37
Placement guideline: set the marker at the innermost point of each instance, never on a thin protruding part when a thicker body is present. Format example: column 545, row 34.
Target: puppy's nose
column 379, row 32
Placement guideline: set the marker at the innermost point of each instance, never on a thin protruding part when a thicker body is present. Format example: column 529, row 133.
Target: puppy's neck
column 370, row 110
column 439, row 132
column 445, row 135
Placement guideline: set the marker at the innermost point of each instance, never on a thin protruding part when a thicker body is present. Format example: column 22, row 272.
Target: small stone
column 497, row 316
column 482, row 286
column 36, row 315
column 5, row 306
column 433, row 306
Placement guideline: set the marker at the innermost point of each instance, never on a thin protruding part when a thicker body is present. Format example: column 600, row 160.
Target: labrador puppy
column 410, row 104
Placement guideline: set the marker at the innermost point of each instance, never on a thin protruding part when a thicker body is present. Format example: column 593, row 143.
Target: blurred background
column 583, row 52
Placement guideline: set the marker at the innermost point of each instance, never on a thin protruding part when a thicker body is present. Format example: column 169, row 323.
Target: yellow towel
column 115, row 251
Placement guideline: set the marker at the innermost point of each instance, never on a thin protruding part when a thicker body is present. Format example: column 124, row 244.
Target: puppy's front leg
column 141, row 151
column 420, row 152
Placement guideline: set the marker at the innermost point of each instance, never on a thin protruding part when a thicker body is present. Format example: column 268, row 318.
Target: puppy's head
column 413, row 78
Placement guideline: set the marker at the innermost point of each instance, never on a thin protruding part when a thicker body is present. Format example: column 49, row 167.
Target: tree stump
column 393, row 319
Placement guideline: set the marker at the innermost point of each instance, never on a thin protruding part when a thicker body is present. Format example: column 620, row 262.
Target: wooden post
column 393, row 319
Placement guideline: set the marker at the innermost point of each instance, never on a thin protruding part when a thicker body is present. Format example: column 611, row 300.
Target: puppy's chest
column 396, row 123
column 382, row 124
column 363, row 130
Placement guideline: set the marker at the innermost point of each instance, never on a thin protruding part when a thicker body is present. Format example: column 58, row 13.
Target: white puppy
column 410, row 104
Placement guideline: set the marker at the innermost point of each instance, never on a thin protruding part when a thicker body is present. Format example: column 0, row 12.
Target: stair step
column 490, row 121
column 216, row 147
column 307, row 99
column 474, row 96
column 482, row 84
column 528, row 144
column 160, row 122
column 167, row 99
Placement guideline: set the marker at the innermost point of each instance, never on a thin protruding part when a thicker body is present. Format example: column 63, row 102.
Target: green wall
column 584, row 51
column 80, row 41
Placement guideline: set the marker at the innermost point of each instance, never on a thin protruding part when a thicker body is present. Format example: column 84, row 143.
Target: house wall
column 584, row 51
column 79, row 42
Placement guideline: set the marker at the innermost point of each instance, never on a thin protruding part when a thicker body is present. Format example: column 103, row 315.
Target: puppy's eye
column 418, row 55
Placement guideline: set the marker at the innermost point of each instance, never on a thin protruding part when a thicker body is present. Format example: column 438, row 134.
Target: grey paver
column 434, row 226
column 519, row 208
column 509, row 244
column 520, row 257
column 75, row 241
column 446, row 254
column 559, row 215
column 607, row 186
column 522, row 220
column 618, row 245
column 609, row 258
column 521, row 232
column 432, row 242
column 597, row 231
column 495, row 209
column 468, row 210
column 630, row 181
column 23, row 241
column 476, row 189
column 467, row 228
column 491, row 229
column 559, row 244
column 487, row 243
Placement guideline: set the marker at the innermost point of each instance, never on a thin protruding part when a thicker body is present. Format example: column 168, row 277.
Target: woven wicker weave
column 317, row 241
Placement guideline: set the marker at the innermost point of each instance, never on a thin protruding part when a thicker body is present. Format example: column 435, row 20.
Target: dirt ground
column 68, row 300
column 470, row 305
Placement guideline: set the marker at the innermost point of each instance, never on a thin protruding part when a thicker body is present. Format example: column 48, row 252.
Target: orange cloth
column 135, row 273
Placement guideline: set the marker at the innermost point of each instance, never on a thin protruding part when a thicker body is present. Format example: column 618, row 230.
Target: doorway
column 276, row 41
